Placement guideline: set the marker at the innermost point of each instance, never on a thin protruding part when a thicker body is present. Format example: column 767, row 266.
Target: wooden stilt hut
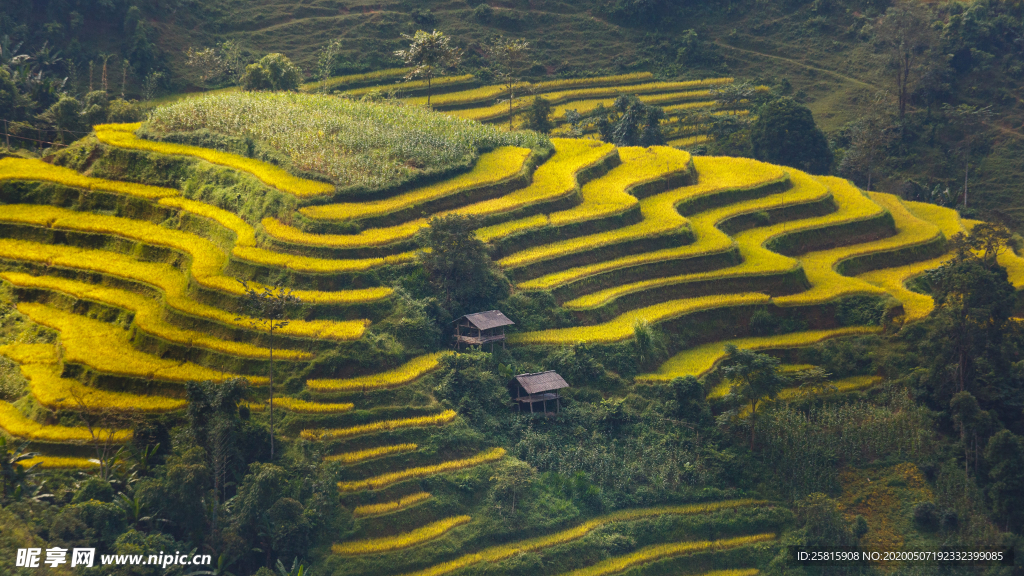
column 481, row 328
column 539, row 387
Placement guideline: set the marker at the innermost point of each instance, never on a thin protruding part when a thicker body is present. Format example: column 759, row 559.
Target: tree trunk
column 428, row 91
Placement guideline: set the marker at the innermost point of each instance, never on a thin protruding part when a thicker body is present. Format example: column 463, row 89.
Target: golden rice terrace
column 136, row 285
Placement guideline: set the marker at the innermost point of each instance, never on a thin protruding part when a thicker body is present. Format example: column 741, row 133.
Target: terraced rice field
column 141, row 301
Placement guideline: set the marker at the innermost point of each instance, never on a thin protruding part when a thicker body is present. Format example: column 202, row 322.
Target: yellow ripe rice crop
column 385, row 480
column 122, row 136
column 602, row 198
column 827, row 284
column 404, row 374
column 689, row 141
column 412, row 85
column 393, row 506
column 380, row 426
column 148, row 316
column 715, row 175
column 318, row 265
column 621, row 327
column 844, row 385
column 107, row 348
column 757, row 260
column 498, row 553
column 500, row 110
column 57, row 462
column 400, row 541
column 701, row 359
column 16, row 424
column 370, row 453
column 207, row 259
column 654, row 163
column 170, row 281
column 336, row 81
column 947, row 219
column 893, row 281
column 31, row 169
column 370, row 237
column 58, row 393
column 657, row 552
column 244, row 233
column 526, row 89
column 554, row 179
column 307, row 407
column 491, row 168
column 24, row 353
column 584, row 106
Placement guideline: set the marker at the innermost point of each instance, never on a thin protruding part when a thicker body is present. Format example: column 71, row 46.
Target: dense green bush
column 272, row 72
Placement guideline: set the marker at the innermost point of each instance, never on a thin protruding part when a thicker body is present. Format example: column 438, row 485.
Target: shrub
column 926, row 516
column 272, row 72
column 785, row 133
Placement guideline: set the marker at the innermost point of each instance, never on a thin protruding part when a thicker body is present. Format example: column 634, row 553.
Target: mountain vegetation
column 773, row 251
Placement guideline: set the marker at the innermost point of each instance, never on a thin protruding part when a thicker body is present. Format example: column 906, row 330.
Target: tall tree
column 269, row 307
column 754, row 378
column 510, row 57
column 430, row 55
column 1005, row 457
column 970, row 120
column 905, row 34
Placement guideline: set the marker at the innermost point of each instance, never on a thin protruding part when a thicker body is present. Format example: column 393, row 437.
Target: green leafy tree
column 974, row 301
column 273, row 72
column 458, row 266
column 65, row 116
column 630, row 122
column 691, row 400
column 538, row 116
column 510, row 58
column 785, row 133
column 754, row 378
column 430, row 54
column 823, row 523
column 1005, row 457
column 512, row 479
